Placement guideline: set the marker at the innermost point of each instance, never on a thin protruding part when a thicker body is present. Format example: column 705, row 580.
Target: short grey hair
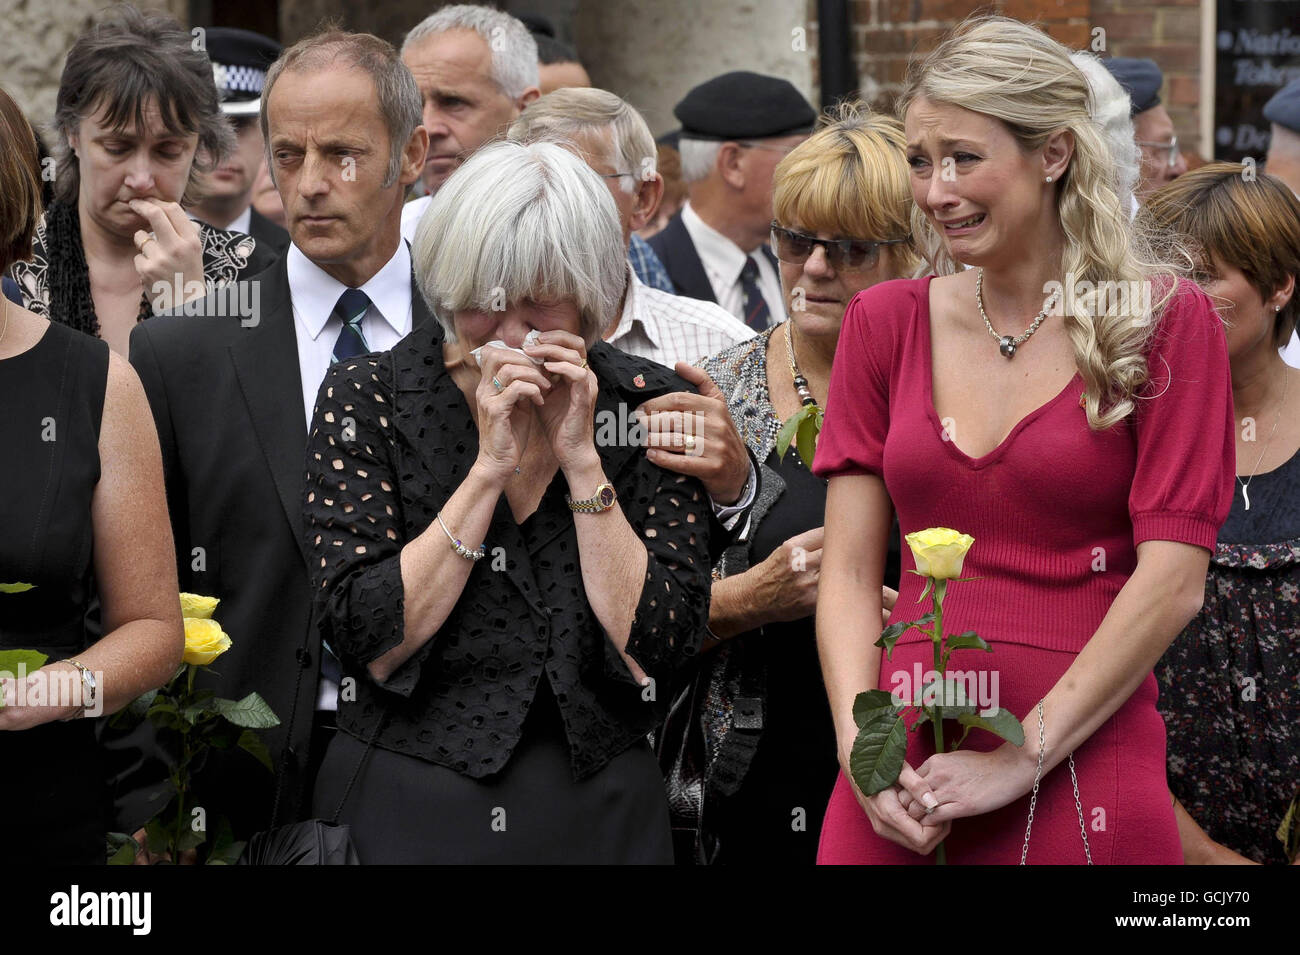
column 699, row 156
column 396, row 91
column 565, row 115
column 520, row 221
column 514, row 51
column 1110, row 110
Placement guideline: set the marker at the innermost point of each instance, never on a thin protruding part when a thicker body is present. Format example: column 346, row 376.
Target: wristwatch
column 89, row 688
column 603, row 500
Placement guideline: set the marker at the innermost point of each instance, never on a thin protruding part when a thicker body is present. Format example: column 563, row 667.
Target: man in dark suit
column 232, row 394
column 735, row 129
column 240, row 59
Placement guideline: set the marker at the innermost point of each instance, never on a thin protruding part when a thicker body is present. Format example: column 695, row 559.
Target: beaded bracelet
column 460, row 549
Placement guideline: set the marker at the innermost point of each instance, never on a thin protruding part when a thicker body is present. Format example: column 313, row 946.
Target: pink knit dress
column 1057, row 511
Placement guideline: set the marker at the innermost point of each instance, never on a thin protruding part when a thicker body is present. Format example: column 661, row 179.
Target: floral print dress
column 1229, row 690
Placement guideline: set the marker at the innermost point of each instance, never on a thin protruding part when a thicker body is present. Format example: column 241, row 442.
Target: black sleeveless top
column 51, row 405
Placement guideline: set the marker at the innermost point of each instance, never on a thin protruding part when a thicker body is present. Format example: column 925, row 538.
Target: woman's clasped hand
column 562, row 389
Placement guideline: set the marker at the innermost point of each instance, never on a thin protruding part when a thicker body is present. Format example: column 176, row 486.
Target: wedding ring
column 688, row 442
column 584, row 362
column 500, row 387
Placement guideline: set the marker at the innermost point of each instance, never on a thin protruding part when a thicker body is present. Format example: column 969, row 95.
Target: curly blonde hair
column 1016, row 74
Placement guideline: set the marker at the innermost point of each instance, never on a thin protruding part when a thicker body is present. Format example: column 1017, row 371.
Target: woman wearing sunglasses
column 842, row 205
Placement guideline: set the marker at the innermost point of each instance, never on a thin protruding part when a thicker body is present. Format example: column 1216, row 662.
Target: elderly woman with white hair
column 504, row 576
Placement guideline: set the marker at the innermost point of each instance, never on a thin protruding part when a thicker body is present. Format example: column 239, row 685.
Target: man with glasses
column 1154, row 130
column 735, row 129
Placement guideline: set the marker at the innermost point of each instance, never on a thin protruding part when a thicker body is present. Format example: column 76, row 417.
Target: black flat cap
column 1141, row 79
column 744, row 105
column 1284, row 107
column 240, row 59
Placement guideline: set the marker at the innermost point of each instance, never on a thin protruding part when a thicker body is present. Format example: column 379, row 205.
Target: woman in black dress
column 84, row 511
column 1230, row 682
column 504, row 576
column 138, row 121
column 845, row 187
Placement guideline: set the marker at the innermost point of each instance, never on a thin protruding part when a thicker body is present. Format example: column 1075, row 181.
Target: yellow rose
column 939, row 551
column 204, row 640
column 198, row 606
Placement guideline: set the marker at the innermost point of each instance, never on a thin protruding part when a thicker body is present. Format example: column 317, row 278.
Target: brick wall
column 886, row 33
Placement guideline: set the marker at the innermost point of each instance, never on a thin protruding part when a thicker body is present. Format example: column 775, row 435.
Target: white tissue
column 529, row 339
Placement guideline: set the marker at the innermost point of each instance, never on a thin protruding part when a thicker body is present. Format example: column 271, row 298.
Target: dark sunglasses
column 847, row 255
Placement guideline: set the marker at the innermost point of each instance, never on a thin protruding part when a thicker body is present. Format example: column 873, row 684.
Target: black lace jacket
column 392, row 438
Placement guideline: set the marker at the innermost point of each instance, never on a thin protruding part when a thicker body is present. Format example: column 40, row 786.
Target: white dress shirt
column 723, row 261
column 670, row 328
column 314, row 294
column 241, row 223
column 411, row 213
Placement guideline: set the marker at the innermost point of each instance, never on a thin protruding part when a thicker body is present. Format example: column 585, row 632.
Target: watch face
column 606, row 496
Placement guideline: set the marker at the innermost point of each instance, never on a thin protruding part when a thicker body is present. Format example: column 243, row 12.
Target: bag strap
column 356, row 771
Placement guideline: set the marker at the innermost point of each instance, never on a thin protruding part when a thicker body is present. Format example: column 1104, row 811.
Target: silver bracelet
column 460, row 549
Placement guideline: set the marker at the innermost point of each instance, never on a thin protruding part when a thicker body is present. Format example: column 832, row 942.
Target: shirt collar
column 314, row 292
column 716, row 251
column 242, row 222
column 635, row 310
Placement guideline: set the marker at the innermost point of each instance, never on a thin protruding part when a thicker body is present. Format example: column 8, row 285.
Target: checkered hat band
column 238, row 79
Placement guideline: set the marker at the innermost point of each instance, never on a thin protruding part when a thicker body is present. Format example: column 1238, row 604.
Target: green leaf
column 251, row 712
column 16, row 588
column 970, row 640
column 227, row 855
column 156, row 835
column 10, row 660
column 1289, row 831
column 251, row 743
column 878, row 753
column 868, row 705
column 788, row 430
column 807, row 439
column 889, row 636
column 1000, row 723
column 121, row 849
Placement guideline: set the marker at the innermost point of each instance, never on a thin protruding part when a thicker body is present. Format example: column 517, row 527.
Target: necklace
column 1006, row 344
column 1245, row 496
column 800, row 382
column 6, row 328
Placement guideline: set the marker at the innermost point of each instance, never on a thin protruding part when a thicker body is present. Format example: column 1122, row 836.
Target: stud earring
column 1048, row 179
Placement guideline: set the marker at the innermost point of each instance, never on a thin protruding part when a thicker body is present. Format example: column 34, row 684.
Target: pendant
column 1007, row 346
column 1245, row 496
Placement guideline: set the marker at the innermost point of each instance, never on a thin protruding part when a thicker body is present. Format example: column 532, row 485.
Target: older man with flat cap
column 1161, row 160
column 735, row 129
column 1283, row 112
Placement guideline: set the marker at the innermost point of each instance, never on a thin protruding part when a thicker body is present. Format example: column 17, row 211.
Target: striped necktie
column 351, row 309
column 757, row 313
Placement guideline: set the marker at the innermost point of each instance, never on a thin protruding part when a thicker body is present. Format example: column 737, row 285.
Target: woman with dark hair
column 1230, row 683
column 136, row 105
column 84, row 513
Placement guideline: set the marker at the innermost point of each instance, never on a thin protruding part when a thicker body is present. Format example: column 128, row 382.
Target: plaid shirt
column 647, row 265
column 670, row 328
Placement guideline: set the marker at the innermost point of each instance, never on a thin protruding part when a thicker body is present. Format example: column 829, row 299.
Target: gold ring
column 688, row 442
column 584, row 362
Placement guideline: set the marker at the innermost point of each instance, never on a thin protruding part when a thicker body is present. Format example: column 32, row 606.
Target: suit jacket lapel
column 683, row 263
column 266, row 366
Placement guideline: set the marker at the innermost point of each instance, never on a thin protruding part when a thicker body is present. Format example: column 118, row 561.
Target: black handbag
column 312, row 841
column 706, row 744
